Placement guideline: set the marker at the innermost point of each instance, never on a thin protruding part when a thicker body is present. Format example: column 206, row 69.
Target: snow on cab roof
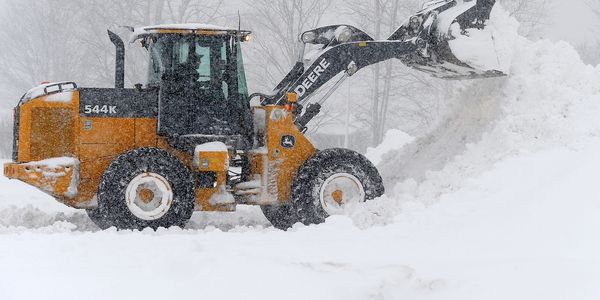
column 140, row 31
column 187, row 26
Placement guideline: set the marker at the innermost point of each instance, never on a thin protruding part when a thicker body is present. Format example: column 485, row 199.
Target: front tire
column 332, row 182
column 281, row 217
column 145, row 188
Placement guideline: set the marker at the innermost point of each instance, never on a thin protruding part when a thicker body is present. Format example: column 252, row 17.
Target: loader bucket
column 443, row 30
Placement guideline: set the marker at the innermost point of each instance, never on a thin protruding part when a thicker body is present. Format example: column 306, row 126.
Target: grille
column 52, row 133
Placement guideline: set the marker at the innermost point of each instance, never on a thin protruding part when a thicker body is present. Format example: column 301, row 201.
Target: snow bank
column 502, row 200
column 551, row 99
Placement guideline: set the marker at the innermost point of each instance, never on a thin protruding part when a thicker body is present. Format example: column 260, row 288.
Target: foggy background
column 65, row 40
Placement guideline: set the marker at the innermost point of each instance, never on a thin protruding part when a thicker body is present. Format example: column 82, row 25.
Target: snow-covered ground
column 526, row 229
column 501, row 202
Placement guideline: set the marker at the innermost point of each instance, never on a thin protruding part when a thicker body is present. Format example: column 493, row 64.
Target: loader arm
column 327, row 60
column 348, row 58
column 422, row 43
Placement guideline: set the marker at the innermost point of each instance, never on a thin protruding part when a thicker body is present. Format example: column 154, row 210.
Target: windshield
column 206, row 63
column 199, row 57
column 202, row 84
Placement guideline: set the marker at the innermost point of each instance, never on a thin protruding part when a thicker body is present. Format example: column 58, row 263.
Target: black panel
column 206, row 180
column 190, row 116
column 118, row 103
column 186, row 109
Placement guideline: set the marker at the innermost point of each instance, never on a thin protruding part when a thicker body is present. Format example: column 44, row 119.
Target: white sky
column 569, row 20
column 572, row 21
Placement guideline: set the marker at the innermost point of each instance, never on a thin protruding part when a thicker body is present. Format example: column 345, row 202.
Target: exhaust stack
column 120, row 60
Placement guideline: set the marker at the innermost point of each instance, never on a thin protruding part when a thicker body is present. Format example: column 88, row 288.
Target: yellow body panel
column 280, row 163
column 212, row 162
column 218, row 163
column 145, row 132
column 104, row 141
column 50, row 128
column 43, row 138
column 112, row 131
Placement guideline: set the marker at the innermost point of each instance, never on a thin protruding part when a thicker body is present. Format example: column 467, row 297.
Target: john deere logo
column 288, row 141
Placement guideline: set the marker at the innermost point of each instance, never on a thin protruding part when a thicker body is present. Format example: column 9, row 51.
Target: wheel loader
column 188, row 140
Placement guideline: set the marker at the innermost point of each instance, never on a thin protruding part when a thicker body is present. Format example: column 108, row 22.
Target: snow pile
column 504, row 193
column 491, row 48
column 550, row 100
column 392, row 141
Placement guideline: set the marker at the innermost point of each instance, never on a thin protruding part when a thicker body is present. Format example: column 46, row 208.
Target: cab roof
column 185, row 28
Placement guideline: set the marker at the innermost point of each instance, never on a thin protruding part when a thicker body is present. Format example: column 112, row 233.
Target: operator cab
column 203, row 93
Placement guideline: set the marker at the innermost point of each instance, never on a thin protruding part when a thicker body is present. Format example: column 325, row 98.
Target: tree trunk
column 376, row 83
column 389, row 68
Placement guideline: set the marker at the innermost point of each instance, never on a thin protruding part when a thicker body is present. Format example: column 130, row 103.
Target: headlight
column 308, row 37
column 344, row 35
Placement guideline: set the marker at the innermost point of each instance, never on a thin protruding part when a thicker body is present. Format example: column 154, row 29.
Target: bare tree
column 6, row 134
column 37, row 44
column 594, row 6
column 66, row 40
column 532, row 14
column 396, row 92
column 278, row 24
column 114, row 13
column 590, row 49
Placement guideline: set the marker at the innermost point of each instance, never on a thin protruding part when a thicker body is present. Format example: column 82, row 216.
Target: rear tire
column 145, row 188
column 99, row 218
column 331, row 181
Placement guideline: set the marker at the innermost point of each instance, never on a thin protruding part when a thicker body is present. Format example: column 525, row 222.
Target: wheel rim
column 341, row 193
column 149, row 196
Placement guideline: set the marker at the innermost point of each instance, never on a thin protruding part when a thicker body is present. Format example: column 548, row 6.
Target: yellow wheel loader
column 189, row 140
